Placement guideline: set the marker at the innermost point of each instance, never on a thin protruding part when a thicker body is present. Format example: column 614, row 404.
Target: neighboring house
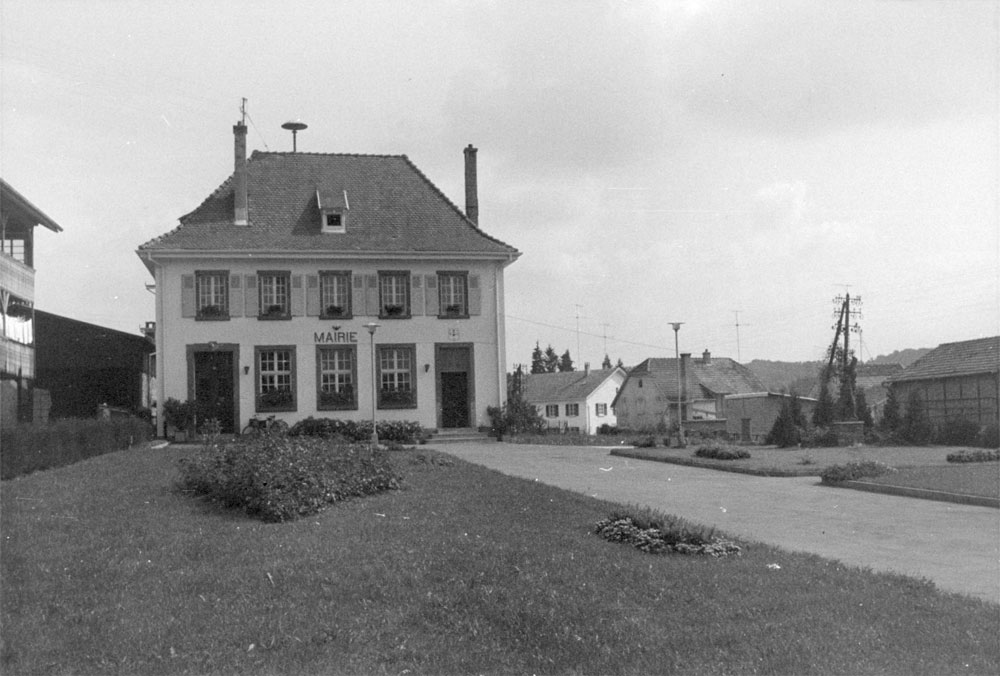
column 267, row 292
column 575, row 400
column 84, row 366
column 750, row 416
column 954, row 380
column 649, row 396
column 18, row 219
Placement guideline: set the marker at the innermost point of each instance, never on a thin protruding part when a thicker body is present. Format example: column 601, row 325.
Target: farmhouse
column 575, row 400
column 955, row 380
column 328, row 284
column 650, row 398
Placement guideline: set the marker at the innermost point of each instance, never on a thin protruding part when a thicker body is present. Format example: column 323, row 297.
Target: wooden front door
column 455, row 386
column 214, row 389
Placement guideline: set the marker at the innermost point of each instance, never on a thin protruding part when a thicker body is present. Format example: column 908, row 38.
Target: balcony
column 17, row 278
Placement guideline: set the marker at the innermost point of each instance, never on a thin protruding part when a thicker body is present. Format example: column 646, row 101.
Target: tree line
column 548, row 361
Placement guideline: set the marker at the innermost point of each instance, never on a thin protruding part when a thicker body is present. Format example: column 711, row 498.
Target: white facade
column 584, row 412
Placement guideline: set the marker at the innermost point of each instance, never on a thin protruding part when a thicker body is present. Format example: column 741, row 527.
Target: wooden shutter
column 358, row 295
column 297, row 301
column 312, row 295
column 235, row 296
column 475, row 296
column 189, row 301
column 416, row 295
column 371, row 295
column 431, row 295
column 252, row 303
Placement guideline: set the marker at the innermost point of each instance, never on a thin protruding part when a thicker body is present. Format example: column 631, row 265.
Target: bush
column 721, row 452
column 821, row 437
column 32, row 447
column 655, row 533
column 989, row 437
column 607, row 429
column 283, row 478
column 788, row 426
column 515, row 417
column 974, row 456
column 958, row 432
column 644, row 442
column 834, row 474
column 401, row 431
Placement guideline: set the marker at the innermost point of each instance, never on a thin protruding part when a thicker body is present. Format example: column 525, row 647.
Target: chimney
column 240, row 212
column 586, row 369
column 706, row 357
column 471, row 189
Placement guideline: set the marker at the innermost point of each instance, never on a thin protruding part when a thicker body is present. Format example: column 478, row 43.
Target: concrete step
column 460, row 435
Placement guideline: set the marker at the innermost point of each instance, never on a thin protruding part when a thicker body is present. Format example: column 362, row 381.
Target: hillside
column 802, row 376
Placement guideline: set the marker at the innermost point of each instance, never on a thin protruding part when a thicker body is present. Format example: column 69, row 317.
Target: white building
column 575, row 400
column 264, row 294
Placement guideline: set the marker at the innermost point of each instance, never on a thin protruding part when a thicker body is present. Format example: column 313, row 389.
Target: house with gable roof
column 657, row 388
column 955, row 380
column 575, row 400
column 330, row 285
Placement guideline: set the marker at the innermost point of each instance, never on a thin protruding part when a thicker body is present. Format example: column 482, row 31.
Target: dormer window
column 333, row 208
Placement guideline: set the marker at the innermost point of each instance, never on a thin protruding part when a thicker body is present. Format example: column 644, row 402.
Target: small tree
column 916, row 427
column 606, row 364
column 566, row 363
column 537, row 360
column 890, row 413
column 789, row 425
column 516, row 416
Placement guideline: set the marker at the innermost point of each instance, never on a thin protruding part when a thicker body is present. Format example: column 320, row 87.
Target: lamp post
column 371, row 332
column 680, row 390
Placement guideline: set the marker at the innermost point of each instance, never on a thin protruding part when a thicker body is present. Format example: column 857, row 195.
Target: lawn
column 108, row 570
column 979, row 478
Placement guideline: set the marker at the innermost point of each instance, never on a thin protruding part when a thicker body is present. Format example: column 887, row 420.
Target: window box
column 393, row 310
column 334, row 311
column 337, row 400
column 274, row 312
column 397, row 399
column 211, row 312
column 453, row 311
column 275, row 400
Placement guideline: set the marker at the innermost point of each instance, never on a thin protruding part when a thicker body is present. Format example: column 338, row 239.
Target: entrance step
column 460, row 435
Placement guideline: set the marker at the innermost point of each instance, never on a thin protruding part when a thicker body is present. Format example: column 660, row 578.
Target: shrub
column 32, row 447
column 958, row 432
column 989, row 437
column 283, row 478
column 515, row 417
column 607, row 429
column 821, row 437
column 655, row 533
column 644, row 442
column 834, row 474
column 788, row 426
column 974, row 456
column 718, row 451
column 401, row 431
column 916, row 427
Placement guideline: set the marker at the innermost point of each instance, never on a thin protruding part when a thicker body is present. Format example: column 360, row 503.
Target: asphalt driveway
column 956, row 546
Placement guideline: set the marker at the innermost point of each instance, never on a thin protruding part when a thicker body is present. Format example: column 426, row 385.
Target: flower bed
column 658, row 534
column 974, row 456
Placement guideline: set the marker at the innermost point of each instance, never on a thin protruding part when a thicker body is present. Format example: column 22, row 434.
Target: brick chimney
column 706, row 357
column 586, row 369
column 240, row 211
column 471, row 187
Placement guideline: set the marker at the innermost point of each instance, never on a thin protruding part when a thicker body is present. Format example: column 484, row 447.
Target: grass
column 981, row 479
column 108, row 570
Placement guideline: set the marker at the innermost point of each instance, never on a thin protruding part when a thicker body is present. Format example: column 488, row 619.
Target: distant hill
column 904, row 357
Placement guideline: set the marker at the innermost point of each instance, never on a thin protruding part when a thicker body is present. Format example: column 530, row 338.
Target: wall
column 971, row 397
column 762, row 410
column 175, row 333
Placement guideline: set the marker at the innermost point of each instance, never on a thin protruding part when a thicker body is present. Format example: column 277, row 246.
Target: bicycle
column 259, row 427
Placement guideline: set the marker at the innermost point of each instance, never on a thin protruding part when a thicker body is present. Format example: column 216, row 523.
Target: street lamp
column 680, row 401
column 371, row 332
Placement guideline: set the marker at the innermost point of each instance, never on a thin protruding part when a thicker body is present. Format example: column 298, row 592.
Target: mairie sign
column 335, row 336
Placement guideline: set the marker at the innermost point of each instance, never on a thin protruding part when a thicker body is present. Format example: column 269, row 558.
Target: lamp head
column 371, row 327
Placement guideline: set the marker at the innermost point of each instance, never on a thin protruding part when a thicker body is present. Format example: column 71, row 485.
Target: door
column 455, row 399
column 214, row 390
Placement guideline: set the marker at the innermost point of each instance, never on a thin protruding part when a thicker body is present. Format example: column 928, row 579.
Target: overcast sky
column 652, row 161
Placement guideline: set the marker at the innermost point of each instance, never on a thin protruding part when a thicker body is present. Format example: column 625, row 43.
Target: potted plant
column 334, row 311
column 274, row 310
column 393, row 310
column 453, row 310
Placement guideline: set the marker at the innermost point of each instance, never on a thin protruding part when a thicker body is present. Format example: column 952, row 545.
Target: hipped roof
column 394, row 208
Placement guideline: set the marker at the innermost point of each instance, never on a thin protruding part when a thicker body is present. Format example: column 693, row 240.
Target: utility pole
column 739, row 358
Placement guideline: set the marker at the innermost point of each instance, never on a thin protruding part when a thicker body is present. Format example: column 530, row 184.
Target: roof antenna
column 295, row 127
column 243, row 111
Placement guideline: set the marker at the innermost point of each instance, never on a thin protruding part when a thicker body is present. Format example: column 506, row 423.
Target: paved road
column 956, row 546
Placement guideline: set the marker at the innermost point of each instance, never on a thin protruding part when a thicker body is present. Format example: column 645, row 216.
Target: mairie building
column 331, row 285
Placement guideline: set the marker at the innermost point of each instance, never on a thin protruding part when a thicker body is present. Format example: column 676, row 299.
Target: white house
column 267, row 293
column 575, row 400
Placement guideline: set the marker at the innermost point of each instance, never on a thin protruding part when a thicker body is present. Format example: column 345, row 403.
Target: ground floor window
column 336, row 369
column 551, row 410
column 275, row 378
column 397, row 376
column 601, row 409
column 572, row 410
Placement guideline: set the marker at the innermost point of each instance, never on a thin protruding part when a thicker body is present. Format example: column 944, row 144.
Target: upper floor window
column 335, row 295
column 394, row 294
column 453, row 296
column 333, row 208
column 273, row 288
column 212, row 294
column 15, row 248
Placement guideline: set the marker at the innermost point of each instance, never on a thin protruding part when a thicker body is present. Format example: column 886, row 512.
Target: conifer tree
column 551, row 360
column 537, row 360
column 566, row 363
column 606, row 364
column 890, row 412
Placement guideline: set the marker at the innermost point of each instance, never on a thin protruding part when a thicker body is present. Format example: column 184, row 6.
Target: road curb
column 922, row 493
column 637, row 454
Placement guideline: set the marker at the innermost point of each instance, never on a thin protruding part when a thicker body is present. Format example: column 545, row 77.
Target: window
column 572, row 410
column 601, row 410
column 275, row 389
column 394, row 294
column 15, row 248
column 453, row 294
column 396, row 377
column 335, row 295
column 336, row 375
column 212, row 294
column 551, row 410
column 274, row 295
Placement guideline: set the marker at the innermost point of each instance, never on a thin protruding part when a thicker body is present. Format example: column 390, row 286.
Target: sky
column 732, row 165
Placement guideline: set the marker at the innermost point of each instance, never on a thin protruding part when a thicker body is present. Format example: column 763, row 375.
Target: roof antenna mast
column 243, row 111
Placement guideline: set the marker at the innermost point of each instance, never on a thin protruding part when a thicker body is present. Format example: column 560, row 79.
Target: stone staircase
column 460, row 435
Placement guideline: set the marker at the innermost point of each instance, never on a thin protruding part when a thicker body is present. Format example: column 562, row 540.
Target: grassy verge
column 107, row 569
column 981, row 479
